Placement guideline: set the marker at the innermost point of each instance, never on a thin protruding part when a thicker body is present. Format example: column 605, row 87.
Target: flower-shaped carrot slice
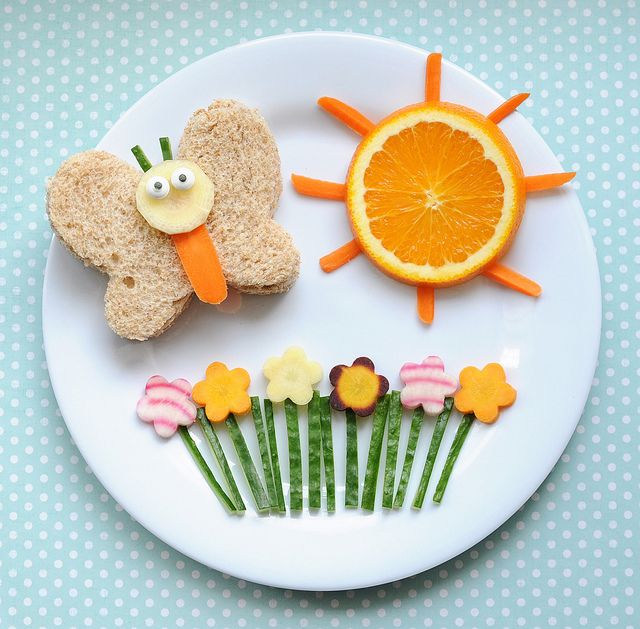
column 483, row 392
column 357, row 387
column 292, row 376
column 222, row 392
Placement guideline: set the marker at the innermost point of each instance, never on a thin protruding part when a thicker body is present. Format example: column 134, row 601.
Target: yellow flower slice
column 292, row 376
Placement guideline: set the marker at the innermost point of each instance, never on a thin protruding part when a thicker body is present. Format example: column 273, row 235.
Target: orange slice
column 435, row 193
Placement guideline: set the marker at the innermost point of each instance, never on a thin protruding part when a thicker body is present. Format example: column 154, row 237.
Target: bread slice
column 235, row 148
column 91, row 207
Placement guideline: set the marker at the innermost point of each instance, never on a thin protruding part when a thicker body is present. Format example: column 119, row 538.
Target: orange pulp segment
column 435, row 193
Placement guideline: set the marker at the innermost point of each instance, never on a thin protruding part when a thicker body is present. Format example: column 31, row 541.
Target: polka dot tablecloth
column 71, row 557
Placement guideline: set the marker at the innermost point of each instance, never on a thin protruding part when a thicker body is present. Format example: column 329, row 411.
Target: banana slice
column 175, row 196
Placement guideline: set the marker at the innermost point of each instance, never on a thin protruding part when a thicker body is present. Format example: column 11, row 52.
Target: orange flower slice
column 484, row 392
column 222, row 392
column 435, row 193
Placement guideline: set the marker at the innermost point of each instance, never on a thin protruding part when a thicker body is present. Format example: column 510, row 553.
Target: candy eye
column 183, row 178
column 157, row 187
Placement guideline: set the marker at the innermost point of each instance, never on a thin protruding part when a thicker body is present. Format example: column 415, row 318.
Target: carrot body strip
column 346, row 114
column 426, row 303
column 534, row 183
column 201, row 264
column 508, row 107
column 340, row 257
column 318, row 188
column 434, row 73
column 512, row 279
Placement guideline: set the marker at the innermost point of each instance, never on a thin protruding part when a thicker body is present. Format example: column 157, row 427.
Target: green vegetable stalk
column 436, row 440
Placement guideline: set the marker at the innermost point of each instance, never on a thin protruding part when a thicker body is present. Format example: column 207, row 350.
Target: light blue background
column 71, row 557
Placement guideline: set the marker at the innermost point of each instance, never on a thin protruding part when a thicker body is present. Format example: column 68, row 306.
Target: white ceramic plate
column 549, row 346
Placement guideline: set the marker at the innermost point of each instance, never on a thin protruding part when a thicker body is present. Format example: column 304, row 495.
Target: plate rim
column 559, row 445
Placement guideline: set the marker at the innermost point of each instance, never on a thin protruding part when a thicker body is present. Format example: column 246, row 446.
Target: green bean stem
column 218, row 453
column 206, row 470
column 410, row 453
column 393, row 437
column 327, row 453
column 315, row 451
column 375, row 450
column 434, row 446
column 261, row 434
column 275, row 459
column 351, row 481
column 456, row 446
column 248, row 467
column 295, row 455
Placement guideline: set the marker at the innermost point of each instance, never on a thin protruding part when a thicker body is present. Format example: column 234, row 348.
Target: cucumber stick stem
column 248, row 467
column 327, row 453
column 218, row 453
column 393, row 437
column 295, row 455
column 412, row 444
column 315, row 452
column 261, row 434
column 456, row 446
column 351, row 481
column 375, row 450
column 275, row 459
column 436, row 440
column 206, row 470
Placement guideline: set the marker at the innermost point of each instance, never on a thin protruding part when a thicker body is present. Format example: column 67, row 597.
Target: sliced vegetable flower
column 222, row 392
column 292, row 376
column 483, row 392
column 357, row 387
column 166, row 405
column 426, row 384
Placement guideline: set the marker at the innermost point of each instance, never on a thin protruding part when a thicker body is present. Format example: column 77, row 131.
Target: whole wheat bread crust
column 92, row 210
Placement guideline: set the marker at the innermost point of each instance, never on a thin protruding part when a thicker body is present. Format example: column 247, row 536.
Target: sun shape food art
column 435, row 193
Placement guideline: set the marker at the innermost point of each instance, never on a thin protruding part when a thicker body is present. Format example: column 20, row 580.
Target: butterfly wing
column 92, row 208
column 234, row 146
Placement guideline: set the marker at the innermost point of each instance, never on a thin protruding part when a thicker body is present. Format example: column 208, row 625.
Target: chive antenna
column 143, row 160
column 165, row 145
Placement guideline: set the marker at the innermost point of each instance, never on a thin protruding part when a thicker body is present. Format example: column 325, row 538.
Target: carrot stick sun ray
column 433, row 77
column 340, row 256
column 351, row 117
column 318, row 188
column 426, row 303
column 535, row 183
column 512, row 279
column 508, row 107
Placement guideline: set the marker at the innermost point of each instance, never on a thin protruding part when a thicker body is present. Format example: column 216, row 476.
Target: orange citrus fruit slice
column 435, row 193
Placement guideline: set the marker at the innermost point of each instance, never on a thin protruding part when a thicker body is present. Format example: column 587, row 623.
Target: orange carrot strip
column 508, row 107
column 201, row 264
column 346, row 114
column 512, row 279
column 340, row 257
column 426, row 303
column 318, row 188
column 545, row 182
column 432, row 83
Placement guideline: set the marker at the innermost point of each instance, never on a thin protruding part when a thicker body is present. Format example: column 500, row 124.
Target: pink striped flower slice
column 426, row 385
column 167, row 405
